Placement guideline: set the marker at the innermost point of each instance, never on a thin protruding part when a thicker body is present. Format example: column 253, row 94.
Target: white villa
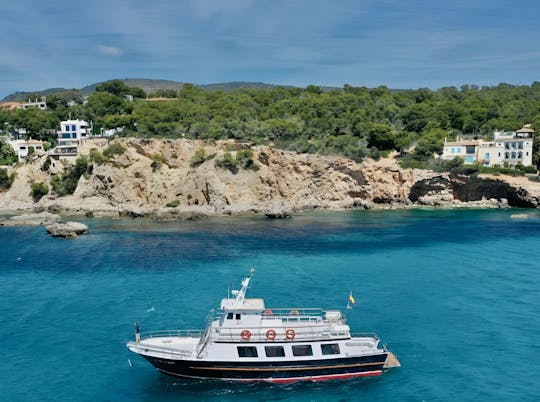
column 40, row 103
column 24, row 147
column 508, row 148
column 71, row 135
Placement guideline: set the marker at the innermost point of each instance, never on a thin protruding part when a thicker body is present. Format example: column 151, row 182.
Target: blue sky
column 400, row 44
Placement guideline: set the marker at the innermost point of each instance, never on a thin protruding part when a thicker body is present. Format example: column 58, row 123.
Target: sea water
column 454, row 294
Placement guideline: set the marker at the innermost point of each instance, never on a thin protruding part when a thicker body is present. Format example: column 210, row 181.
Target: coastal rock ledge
column 169, row 179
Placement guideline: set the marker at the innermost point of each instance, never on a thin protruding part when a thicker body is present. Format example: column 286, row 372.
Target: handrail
column 194, row 333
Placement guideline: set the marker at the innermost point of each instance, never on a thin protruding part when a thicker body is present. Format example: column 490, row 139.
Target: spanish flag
column 351, row 298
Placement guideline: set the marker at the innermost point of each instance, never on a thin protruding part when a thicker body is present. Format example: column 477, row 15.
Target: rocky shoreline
column 157, row 179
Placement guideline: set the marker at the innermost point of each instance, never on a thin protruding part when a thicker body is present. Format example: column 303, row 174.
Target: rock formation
column 156, row 178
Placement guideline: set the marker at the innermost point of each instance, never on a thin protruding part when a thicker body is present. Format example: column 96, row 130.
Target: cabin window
column 230, row 316
column 247, row 351
column 302, row 350
column 330, row 349
column 238, row 316
column 274, row 351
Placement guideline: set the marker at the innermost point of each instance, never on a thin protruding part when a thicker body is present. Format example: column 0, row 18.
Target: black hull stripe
column 289, row 368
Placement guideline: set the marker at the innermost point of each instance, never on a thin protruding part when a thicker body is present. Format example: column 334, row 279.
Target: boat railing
column 364, row 335
column 194, row 333
column 173, row 352
column 282, row 334
column 302, row 314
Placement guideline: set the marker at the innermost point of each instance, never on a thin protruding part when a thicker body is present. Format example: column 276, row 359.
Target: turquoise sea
column 454, row 294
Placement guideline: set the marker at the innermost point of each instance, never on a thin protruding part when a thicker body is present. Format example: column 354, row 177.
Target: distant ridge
column 151, row 85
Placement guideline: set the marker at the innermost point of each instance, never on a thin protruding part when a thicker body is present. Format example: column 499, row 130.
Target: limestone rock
column 37, row 219
column 66, row 229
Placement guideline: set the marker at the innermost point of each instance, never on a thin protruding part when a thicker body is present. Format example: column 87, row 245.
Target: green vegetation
column 6, row 180
column 8, row 156
column 173, row 204
column 66, row 183
column 39, row 189
column 200, row 157
column 97, row 157
column 228, row 162
column 113, row 149
column 47, row 164
column 355, row 122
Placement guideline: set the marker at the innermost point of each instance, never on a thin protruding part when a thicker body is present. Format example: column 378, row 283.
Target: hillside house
column 508, row 148
column 71, row 135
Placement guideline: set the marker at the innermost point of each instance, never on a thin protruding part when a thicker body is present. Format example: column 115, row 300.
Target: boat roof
column 253, row 304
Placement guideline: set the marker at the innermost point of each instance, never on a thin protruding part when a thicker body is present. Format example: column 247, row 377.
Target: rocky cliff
column 152, row 174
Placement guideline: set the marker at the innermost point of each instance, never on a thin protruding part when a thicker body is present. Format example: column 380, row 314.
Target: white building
column 71, row 135
column 507, row 149
column 40, row 103
column 25, row 147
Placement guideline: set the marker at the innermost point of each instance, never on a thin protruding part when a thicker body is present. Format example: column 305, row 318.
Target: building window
column 520, row 155
column 486, row 156
column 506, row 145
column 513, row 155
column 274, row 351
column 247, row 351
column 230, row 316
column 520, row 145
column 330, row 349
column 73, row 127
column 458, row 150
column 302, row 350
column 67, row 128
column 238, row 316
column 507, row 155
column 499, row 154
column 452, row 150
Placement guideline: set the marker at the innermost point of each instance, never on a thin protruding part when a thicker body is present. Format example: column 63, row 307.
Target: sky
column 397, row 43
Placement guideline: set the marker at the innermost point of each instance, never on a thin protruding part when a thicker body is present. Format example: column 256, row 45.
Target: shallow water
column 453, row 293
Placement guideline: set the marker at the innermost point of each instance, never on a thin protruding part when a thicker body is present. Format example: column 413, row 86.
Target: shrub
column 245, row 159
column 173, row 204
column 39, row 189
column 6, row 180
column 114, row 149
column 228, row 162
column 8, row 156
column 97, row 157
column 46, row 165
column 199, row 158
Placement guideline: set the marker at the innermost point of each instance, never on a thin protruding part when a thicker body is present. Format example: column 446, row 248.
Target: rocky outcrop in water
column 66, row 229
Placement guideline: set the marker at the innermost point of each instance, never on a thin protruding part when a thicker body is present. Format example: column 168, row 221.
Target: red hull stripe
column 328, row 377
column 344, row 376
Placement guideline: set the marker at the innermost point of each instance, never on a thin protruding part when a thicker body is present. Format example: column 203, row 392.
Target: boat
column 244, row 341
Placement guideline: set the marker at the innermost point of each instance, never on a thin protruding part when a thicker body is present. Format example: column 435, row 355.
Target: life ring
column 290, row 334
column 245, row 334
column 271, row 334
column 268, row 313
column 295, row 312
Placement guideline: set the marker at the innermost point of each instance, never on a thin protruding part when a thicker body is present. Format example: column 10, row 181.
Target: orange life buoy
column 245, row 334
column 271, row 334
column 290, row 334
column 295, row 312
column 268, row 313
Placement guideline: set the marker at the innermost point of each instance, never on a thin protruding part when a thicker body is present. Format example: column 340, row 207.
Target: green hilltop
column 354, row 122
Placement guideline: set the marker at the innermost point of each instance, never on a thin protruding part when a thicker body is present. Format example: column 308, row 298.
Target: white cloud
column 109, row 50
